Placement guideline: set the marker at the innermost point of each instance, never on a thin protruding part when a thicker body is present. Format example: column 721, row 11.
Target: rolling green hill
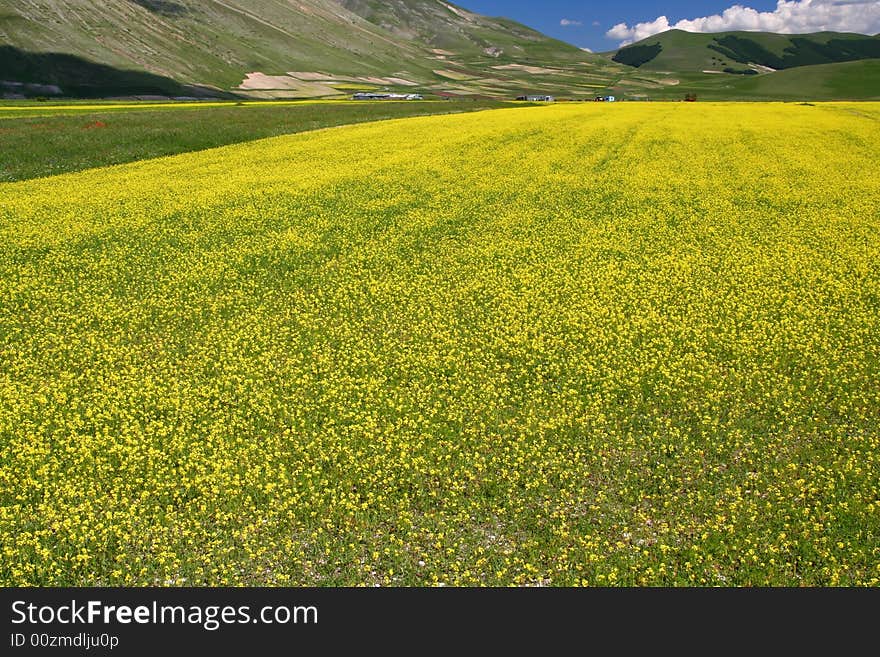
column 752, row 66
column 309, row 48
column 859, row 80
column 680, row 51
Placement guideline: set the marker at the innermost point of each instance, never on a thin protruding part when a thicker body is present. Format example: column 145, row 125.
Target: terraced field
column 627, row 344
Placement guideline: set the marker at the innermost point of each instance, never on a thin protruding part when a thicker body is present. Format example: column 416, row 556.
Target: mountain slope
column 253, row 46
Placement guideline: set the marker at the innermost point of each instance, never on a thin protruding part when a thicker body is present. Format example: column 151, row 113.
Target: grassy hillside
column 311, row 48
column 54, row 73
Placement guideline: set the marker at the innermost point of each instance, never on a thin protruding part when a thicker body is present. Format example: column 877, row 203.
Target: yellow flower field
column 598, row 344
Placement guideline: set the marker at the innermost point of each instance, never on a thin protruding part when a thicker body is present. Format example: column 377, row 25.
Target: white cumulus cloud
column 789, row 17
column 567, row 22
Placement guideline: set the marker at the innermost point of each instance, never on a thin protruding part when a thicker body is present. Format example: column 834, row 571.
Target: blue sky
column 602, row 26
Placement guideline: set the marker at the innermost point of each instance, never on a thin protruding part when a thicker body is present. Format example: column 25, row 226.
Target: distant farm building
column 370, row 95
column 537, row 99
column 605, row 99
